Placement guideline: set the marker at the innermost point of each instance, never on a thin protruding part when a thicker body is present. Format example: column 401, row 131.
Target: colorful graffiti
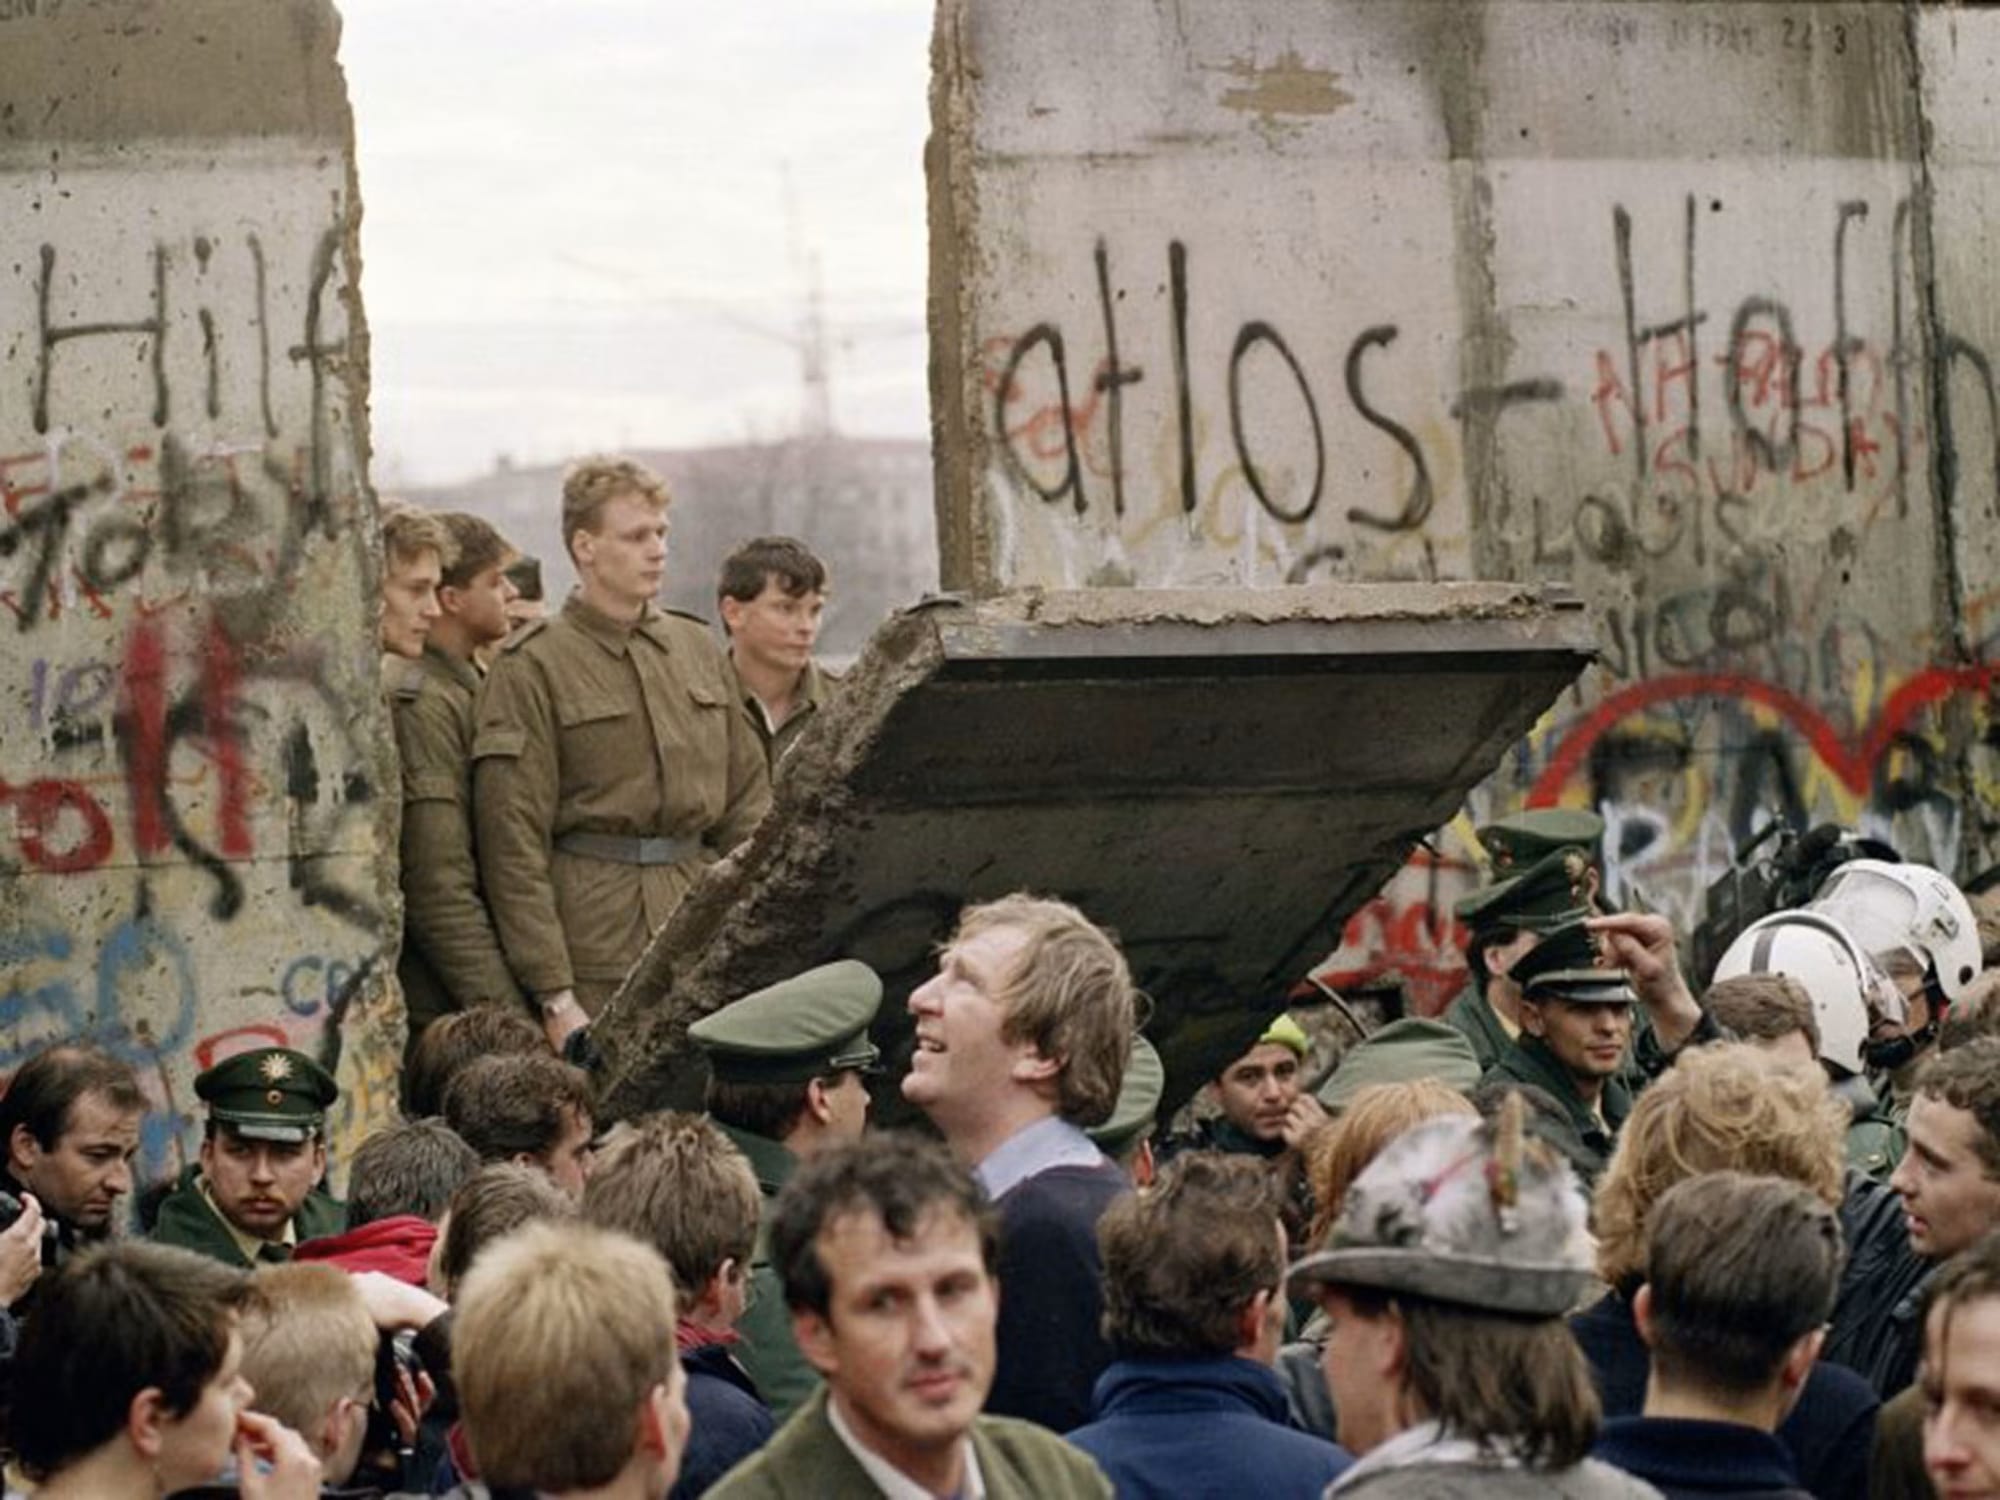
column 190, row 791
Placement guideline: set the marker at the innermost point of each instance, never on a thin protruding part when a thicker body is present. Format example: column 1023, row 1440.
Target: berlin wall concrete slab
column 1222, row 776
column 193, row 742
column 1689, row 305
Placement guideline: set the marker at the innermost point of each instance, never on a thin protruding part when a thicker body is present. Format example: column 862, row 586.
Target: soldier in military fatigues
column 787, row 1066
column 254, row 1194
column 611, row 764
column 450, row 958
column 771, row 593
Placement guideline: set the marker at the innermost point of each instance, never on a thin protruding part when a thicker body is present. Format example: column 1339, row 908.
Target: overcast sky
column 575, row 233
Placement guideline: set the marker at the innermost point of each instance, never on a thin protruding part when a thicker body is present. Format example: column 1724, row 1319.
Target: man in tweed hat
column 1457, row 1252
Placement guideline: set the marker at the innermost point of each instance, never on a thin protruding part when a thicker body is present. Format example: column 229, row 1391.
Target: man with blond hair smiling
column 563, row 1354
column 1021, row 1041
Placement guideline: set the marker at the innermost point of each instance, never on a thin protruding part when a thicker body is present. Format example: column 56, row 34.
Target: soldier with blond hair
column 610, row 762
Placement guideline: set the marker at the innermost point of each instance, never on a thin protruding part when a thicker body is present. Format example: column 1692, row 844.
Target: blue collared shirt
column 1049, row 1142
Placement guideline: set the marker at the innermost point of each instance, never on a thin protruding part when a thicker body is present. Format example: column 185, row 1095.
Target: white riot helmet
column 1849, row 991
column 1893, row 908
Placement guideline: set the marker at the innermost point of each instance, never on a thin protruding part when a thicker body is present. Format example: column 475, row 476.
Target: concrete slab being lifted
column 1222, row 776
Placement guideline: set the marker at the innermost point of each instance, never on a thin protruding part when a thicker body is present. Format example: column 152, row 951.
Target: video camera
column 1780, row 877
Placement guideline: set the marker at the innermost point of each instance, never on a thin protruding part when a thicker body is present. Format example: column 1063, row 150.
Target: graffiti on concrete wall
column 190, row 781
column 1738, row 450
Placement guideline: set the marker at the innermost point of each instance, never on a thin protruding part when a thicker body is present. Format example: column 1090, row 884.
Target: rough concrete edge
column 1470, row 600
column 673, row 984
column 952, row 219
column 374, row 1000
column 1949, row 596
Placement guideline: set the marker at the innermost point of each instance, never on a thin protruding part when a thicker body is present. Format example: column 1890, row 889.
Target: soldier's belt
column 623, row 850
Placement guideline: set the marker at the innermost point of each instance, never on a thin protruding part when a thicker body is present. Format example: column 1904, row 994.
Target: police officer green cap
column 1548, row 894
column 1526, row 838
column 268, row 1094
column 1401, row 1052
column 1565, row 965
column 1138, row 1105
column 805, row 1027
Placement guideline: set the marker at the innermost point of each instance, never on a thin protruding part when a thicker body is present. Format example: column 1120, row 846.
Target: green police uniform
column 611, row 765
column 1528, row 837
column 1550, row 893
column 266, row 1094
column 815, row 692
column 814, row 1025
column 1564, row 966
column 451, row 956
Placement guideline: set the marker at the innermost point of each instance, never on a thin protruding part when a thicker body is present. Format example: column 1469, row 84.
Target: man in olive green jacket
column 450, row 958
column 611, row 764
column 772, row 594
column 887, row 1250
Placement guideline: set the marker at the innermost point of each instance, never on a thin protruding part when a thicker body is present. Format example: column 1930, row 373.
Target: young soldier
column 254, row 1194
column 772, row 593
column 1265, row 1114
column 610, row 765
column 415, row 548
column 1021, row 1042
column 887, row 1252
column 786, row 1081
column 450, row 958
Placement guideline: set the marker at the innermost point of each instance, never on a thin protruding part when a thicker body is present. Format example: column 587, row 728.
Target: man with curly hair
column 610, row 762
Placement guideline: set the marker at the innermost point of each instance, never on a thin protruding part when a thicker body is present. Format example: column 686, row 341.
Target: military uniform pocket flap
column 432, row 786
column 588, row 710
column 503, row 741
column 705, row 696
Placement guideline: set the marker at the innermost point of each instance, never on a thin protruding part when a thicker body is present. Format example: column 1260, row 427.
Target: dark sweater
column 1182, row 1429
column 1051, row 1350
column 1828, row 1434
column 1689, row 1460
column 729, row 1420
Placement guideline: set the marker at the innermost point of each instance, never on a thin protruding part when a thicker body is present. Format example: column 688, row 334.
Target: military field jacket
column 451, row 956
column 586, row 725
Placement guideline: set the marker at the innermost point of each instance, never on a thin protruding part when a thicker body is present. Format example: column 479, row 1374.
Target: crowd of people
column 1594, row 1232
